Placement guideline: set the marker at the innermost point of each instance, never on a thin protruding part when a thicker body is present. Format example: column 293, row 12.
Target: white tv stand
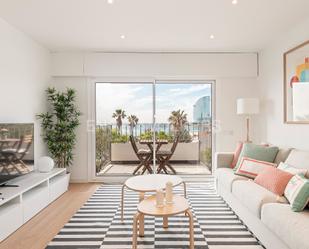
column 35, row 191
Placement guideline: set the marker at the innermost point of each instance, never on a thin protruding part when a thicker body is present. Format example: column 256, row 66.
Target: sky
column 137, row 99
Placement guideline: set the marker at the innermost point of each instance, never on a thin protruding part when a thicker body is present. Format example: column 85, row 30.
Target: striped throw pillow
column 251, row 168
column 297, row 192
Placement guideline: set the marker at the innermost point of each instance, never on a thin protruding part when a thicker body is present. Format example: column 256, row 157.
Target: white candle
column 169, row 193
column 160, row 198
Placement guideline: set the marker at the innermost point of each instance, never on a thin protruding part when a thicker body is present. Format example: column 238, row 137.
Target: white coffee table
column 148, row 207
column 149, row 183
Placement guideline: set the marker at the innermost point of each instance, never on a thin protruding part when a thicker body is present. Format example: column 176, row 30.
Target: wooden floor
column 37, row 232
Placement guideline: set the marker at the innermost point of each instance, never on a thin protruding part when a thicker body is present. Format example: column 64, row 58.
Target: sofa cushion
column 273, row 179
column 236, row 154
column 226, row 176
column 291, row 169
column 258, row 152
column 291, row 227
column 282, row 155
column 254, row 196
column 251, row 167
column 299, row 159
column 297, row 192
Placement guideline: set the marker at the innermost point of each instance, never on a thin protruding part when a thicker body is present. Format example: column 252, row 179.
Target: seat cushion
column 226, row 177
column 291, row 227
column 254, row 196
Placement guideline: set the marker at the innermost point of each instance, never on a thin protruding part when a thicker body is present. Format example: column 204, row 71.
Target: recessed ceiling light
column 110, row 1
column 212, row 37
column 234, row 2
column 122, row 36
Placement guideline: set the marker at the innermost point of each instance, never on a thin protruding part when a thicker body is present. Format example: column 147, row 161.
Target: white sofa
column 269, row 217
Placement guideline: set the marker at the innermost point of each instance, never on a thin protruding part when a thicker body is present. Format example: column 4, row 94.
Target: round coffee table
column 149, row 183
column 148, row 207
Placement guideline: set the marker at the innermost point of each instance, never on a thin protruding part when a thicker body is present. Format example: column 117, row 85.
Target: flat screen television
column 16, row 150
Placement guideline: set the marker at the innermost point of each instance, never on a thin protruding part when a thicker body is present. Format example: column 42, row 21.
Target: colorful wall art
column 296, row 84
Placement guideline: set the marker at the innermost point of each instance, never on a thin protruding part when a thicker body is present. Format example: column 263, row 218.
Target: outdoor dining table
column 149, row 143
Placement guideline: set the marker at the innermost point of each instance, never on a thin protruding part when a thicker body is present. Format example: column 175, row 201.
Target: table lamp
column 248, row 107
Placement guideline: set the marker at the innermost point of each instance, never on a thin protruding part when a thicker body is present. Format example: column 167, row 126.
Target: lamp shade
column 248, row 106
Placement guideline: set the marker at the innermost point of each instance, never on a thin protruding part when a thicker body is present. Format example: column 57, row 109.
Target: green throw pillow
column 257, row 152
column 297, row 192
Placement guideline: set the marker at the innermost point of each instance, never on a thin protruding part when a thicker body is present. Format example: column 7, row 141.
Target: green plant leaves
column 59, row 125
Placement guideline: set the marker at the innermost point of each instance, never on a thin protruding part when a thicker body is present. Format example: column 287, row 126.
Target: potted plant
column 59, row 126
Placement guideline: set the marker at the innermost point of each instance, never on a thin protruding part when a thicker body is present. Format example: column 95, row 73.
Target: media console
column 35, row 191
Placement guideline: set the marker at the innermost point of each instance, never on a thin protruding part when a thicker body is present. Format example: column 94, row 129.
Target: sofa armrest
column 223, row 159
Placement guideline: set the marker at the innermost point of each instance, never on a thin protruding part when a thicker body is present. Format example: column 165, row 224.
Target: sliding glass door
column 144, row 128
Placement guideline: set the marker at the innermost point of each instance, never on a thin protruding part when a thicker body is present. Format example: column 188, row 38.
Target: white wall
column 235, row 76
column 271, row 88
column 24, row 75
column 79, row 169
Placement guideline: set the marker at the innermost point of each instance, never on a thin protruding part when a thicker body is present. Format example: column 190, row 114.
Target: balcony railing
column 109, row 135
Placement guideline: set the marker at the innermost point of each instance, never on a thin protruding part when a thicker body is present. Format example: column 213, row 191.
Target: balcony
column 115, row 155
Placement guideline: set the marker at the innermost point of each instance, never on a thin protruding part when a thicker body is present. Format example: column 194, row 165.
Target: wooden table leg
column 141, row 217
column 165, row 222
column 184, row 189
column 141, row 225
column 134, row 235
column 191, row 225
column 122, row 202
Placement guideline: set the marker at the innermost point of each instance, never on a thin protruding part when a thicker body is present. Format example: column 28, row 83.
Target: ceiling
column 154, row 25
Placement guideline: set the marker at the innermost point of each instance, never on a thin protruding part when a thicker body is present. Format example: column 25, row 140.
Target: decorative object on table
column 296, row 85
column 4, row 133
column 159, row 198
column 248, row 107
column 169, row 193
column 59, row 125
column 45, row 164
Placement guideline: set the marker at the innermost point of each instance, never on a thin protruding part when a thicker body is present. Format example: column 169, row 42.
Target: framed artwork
column 296, row 84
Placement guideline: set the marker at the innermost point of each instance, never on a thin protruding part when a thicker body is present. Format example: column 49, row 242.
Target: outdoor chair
column 14, row 155
column 164, row 156
column 144, row 157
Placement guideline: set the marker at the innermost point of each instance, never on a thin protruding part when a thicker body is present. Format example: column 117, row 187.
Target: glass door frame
column 91, row 117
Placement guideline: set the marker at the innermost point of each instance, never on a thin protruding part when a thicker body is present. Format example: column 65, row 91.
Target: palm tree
column 178, row 119
column 119, row 114
column 133, row 120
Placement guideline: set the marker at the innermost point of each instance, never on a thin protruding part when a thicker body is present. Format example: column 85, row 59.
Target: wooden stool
column 148, row 207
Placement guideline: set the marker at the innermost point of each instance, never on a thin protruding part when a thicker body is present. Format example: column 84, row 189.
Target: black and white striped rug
column 98, row 223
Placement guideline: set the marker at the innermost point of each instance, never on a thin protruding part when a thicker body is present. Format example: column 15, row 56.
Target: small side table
column 149, row 183
column 148, row 207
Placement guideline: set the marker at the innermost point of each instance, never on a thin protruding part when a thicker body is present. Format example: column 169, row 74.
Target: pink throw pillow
column 273, row 179
column 251, row 168
column 236, row 154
